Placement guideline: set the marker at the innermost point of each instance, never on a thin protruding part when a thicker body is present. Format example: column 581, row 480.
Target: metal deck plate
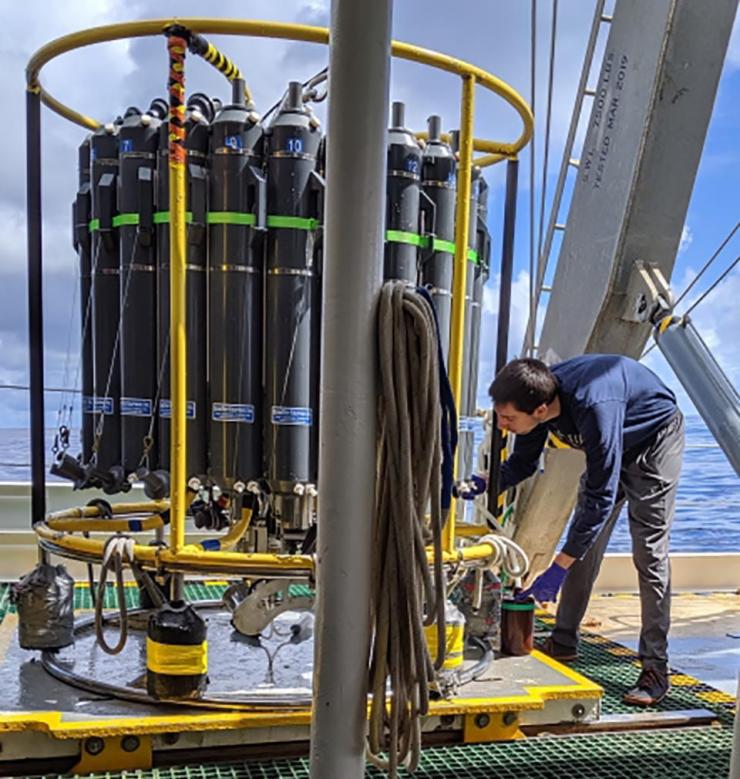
column 533, row 685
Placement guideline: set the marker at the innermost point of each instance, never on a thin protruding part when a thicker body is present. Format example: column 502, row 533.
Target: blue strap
column 449, row 413
column 211, row 545
column 134, row 525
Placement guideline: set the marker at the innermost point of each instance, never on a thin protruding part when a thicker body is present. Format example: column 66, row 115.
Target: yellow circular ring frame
column 260, row 29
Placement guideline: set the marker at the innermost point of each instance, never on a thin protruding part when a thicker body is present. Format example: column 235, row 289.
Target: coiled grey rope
column 407, row 594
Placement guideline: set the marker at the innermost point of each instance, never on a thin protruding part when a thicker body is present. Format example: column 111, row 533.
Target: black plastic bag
column 44, row 599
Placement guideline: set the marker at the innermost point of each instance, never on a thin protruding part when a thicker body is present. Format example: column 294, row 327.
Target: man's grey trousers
column 649, row 485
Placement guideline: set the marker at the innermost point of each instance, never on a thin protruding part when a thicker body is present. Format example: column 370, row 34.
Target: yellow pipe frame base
column 193, row 557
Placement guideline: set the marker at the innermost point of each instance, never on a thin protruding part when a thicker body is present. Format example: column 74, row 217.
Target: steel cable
column 407, row 594
column 548, row 122
column 532, row 149
column 714, row 284
column 706, row 265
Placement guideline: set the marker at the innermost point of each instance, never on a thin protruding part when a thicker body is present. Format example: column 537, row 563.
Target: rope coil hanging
column 408, row 594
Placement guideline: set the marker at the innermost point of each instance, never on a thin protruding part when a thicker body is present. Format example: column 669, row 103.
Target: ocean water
column 707, row 507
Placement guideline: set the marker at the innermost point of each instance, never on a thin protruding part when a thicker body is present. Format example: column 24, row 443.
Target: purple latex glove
column 469, row 489
column 546, row 586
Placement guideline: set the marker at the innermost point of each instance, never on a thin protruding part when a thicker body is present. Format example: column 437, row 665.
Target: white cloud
column 733, row 51
column 489, row 326
column 686, row 238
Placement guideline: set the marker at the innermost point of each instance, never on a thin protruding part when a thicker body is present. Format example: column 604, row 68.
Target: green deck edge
column 669, row 754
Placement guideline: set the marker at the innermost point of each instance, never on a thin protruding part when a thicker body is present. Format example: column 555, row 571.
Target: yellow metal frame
column 194, row 558
column 470, row 75
column 54, row 724
column 113, row 756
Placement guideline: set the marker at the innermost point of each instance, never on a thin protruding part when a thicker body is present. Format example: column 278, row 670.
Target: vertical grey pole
column 359, row 71
column 35, row 304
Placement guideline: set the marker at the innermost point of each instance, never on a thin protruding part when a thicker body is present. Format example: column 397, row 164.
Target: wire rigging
column 532, row 146
column 716, row 283
column 548, row 121
column 708, row 263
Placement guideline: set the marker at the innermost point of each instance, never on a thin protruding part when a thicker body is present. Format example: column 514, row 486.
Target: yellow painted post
column 462, row 217
column 177, row 46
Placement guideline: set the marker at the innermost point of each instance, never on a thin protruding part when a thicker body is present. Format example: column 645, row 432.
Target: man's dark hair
column 526, row 383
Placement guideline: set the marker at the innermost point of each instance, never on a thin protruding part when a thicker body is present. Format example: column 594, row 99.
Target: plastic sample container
column 517, row 626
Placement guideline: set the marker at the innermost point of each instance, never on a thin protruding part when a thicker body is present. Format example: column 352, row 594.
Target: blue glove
column 469, row 489
column 546, row 586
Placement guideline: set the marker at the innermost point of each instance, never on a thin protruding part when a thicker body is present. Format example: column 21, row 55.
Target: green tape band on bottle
column 120, row 220
column 292, row 222
column 400, row 236
column 163, row 217
column 230, row 218
column 514, row 606
column 440, row 245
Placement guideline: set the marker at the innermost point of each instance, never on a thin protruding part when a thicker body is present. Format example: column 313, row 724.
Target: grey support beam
column 649, row 118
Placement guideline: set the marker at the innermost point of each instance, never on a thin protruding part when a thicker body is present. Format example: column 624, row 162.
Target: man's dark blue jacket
column 611, row 408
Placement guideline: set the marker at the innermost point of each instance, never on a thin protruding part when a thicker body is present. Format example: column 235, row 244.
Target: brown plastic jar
column 517, row 626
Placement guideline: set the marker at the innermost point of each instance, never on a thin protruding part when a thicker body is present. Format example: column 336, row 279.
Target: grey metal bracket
column 648, row 296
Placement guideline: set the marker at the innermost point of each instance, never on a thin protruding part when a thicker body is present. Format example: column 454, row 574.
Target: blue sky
column 104, row 80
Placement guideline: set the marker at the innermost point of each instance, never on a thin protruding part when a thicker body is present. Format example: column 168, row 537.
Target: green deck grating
column 194, row 591
column 668, row 754
column 615, row 668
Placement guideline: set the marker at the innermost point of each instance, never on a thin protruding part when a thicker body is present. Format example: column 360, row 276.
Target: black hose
column 476, row 671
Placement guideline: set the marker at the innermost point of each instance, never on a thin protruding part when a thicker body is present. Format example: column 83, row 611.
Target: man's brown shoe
column 652, row 686
column 559, row 652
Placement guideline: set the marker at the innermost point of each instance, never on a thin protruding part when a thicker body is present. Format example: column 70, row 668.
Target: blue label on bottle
column 292, row 415
column 165, row 409
column 467, row 424
column 92, row 405
column 232, row 412
column 127, row 145
column 136, row 407
column 233, row 141
column 294, row 145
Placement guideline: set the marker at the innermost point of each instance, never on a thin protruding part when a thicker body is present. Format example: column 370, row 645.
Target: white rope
column 510, row 558
column 407, row 594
